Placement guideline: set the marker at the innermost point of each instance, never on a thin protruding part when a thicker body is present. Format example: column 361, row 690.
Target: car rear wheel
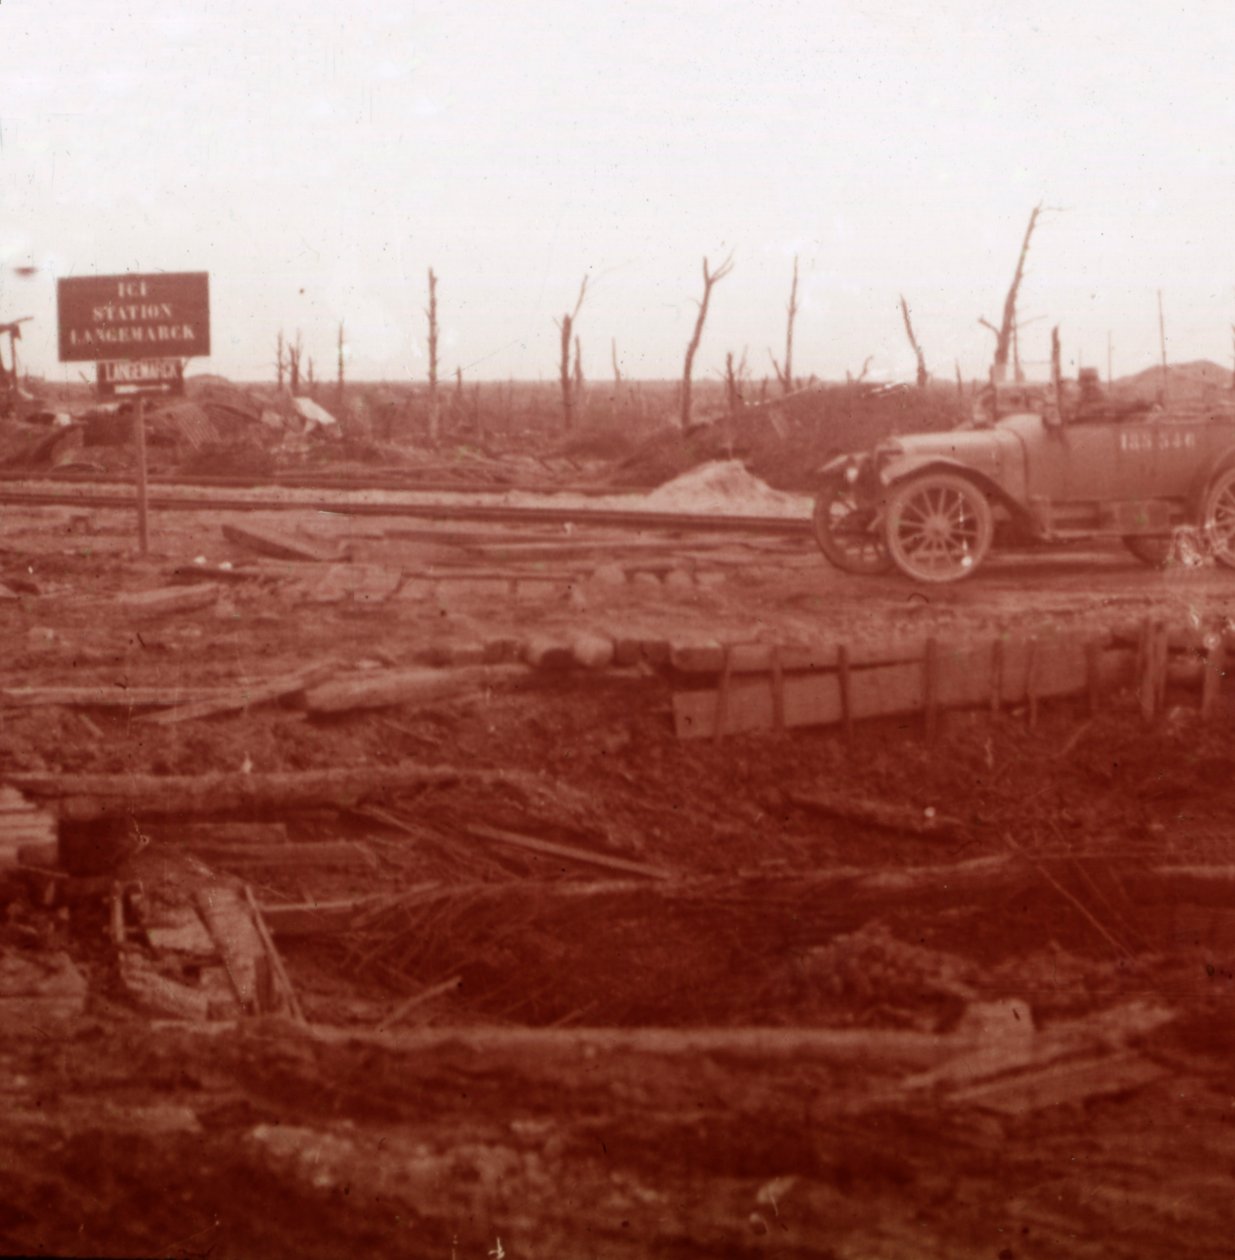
column 938, row 527
column 843, row 530
column 1219, row 518
column 1151, row 551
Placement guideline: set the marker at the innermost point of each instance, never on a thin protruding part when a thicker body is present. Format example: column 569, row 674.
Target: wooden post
column 1093, row 677
column 930, row 690
column 778, row 689
column 1211, row 683
column 139, row 431
column 1162, row 651
column 996, row 676
column 722, row 695
column 1031, row 683
column 842, row 675
column 1144, row 670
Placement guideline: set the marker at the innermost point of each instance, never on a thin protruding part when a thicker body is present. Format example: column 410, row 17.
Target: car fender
column 1217, row 463
column 903, row 468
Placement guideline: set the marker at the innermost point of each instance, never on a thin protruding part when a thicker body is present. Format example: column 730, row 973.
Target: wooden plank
column 278, row 543
column 964, row 680
column 238, row 699
column 550, row 849
column 386, row 688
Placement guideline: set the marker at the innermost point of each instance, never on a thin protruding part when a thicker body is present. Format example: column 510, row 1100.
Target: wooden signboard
column 163, row 315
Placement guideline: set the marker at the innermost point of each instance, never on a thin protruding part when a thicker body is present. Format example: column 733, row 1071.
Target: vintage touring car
column 933, row 504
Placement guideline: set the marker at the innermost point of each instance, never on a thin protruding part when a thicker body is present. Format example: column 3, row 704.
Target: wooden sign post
column 143, row 520
column 139, row 330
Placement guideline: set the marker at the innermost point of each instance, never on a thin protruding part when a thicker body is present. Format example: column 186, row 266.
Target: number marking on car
column 1163, row 440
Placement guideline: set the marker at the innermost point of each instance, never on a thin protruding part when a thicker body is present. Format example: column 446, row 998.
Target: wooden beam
column 86, row 796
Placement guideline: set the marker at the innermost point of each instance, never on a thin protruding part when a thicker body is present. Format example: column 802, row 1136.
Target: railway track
column 504, row 513
column 320, row 481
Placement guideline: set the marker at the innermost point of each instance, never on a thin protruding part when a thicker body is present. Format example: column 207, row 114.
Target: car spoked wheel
column 939, row 527
column 845, row 532
column 1220, row 518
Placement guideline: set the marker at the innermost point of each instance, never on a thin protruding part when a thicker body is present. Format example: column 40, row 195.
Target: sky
column 317, row 160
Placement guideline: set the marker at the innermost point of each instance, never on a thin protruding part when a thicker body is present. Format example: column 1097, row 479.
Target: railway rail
column 320, row 481
column 504, row 513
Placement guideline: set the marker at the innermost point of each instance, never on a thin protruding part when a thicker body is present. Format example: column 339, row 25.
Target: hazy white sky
column 316, row 160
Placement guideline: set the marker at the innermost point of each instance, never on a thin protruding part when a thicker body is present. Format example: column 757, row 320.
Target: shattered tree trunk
column 566, row 377
column 1004, row 333
column 710, row 278
column 340, row 381
column 785, row 375
column 293, row 366
column 923, row 375
column 435, row 421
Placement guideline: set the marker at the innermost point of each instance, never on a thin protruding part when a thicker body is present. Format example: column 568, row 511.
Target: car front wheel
column 843, row 530
column 938, row 527
column 1219, row 518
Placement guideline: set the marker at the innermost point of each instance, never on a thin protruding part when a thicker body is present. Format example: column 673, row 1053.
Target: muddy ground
column 1006, row 1038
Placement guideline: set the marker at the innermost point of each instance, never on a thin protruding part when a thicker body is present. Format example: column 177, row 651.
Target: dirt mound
column 723, row 486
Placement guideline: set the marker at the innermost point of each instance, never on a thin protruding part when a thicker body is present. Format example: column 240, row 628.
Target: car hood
column 985, row 450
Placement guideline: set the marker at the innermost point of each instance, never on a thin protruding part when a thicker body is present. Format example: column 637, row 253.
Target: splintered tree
column 339, row 384
column 568, row 377
column 785, row 374
column 1007, row 326
column 923, row 375
column 280, row 359
column 434, row 410
column 1056, row 373
column 710, row 279
column 294, row 351
column 735, row 374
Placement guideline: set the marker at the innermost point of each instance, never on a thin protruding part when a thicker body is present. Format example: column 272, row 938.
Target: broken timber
column 237, row 699
column 962, row 677
column 548, row 848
